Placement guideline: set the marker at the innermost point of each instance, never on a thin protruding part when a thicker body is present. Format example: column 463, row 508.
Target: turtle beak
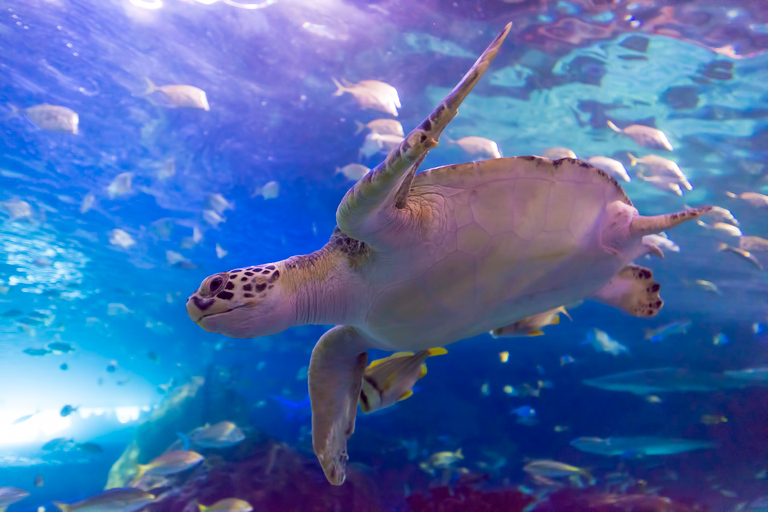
column 197, row 306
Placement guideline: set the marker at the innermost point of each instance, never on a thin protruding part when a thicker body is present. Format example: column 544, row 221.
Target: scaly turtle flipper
column 335, row 377
column 371, row 204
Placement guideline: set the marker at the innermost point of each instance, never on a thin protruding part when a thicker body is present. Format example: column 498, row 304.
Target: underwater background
column 105, row 232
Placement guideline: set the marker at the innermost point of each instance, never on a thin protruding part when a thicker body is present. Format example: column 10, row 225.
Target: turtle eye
column 216, row 284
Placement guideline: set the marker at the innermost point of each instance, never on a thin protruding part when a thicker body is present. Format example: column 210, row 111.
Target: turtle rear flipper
column 335, row 378
column 632, row 290
column 374, row 200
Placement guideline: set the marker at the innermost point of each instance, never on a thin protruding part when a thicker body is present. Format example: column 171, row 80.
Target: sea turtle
column 422, row 261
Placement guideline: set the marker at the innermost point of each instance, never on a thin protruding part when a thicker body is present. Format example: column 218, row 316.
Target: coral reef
column 188, row 406
column 270, row 476
column 466, row 498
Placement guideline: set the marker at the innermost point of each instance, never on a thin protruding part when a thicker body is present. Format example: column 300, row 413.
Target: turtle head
column 243, row 303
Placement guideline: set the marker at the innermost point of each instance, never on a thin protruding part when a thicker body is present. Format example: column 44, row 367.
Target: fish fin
column 632, row 290
column 360, row 127
column 200, row 506
column 151, row 87
column 615, row 128
column 423, row 370
column 61, row 506
column 459, row 454
column 439, row 351
column 633, row 162
column 340, row 89
column 537, row 332
column 335, row 378
column 405, row 395
column 722, row 246
column 563, row 311
column 185, row 440
column 555, row 320
column 731, row 195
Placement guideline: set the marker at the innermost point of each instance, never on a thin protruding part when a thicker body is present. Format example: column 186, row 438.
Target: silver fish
column 52, row 118
column 637, row 446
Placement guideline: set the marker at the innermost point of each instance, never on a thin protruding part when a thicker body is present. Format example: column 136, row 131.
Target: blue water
column 697, row 72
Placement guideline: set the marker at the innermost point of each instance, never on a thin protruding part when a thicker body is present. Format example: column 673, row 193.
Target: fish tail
column 340, row 89
column 151, row 87
column 448, row 140
column 61, row 506
column 257, row 192
column 439, row 351
column 588, row 475
column 140, row 470
column 459, row 454
column 360, row 127
column 184, row 439
column 632, row 158
column 563, row 311
column 722, row 246
column 200, row 506
column 614, row 128
column 731, row 194
column 649, row 334
column 15, row 111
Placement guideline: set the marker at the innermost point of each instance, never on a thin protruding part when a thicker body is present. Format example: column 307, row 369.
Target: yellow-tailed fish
column 558, row 153
column 478, row 146
column 114, row 500
column 10, row 495
column 721, row 227
column 444, row 459
column 382, row 127
column 531, row 325
column 644, row 136
column 753, row 198
column 753, row 244
column 391, row 379
column 744, row 254
column 227, row 505
column 52, row 118
column 653, row 166
column 371, row 94
column 554, row 469
column 170, row 463
column 180, row 95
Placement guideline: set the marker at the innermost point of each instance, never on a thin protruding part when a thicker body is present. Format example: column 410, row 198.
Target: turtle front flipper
column 374, row 201
column 335, row 378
